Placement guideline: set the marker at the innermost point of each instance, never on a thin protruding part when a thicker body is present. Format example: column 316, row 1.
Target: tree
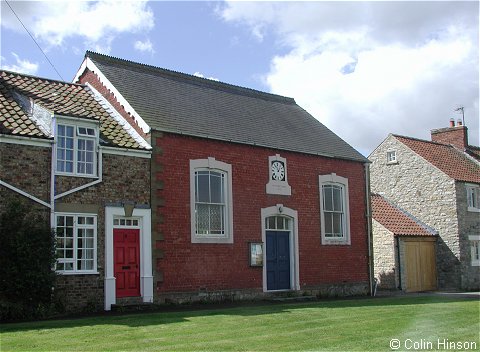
column 27, row 258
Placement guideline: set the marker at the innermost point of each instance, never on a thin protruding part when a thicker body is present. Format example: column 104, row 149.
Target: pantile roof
column 174, row 102
column 450, row 160
column 396, row 220
column 61, row 98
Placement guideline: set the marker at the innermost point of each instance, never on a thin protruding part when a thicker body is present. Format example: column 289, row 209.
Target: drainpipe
column 52, row 172
column 369, row 227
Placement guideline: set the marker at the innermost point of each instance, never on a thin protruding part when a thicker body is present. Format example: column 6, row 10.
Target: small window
column 125, row 222
column 278, row 223
column 473, row 197
column 475, row 250
column 211, row 201
column 391, row 157
column 334, row 209
column 76, row 150
column 76, row 237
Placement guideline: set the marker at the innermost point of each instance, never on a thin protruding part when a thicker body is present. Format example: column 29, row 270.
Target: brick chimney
column 454, row 135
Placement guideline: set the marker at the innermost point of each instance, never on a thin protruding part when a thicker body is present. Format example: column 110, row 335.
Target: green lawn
column 343, row 325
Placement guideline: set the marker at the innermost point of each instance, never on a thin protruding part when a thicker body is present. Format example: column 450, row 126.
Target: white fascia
column 87, row 63
column 119, row 118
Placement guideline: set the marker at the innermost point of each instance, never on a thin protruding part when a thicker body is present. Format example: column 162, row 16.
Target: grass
column 341, row 325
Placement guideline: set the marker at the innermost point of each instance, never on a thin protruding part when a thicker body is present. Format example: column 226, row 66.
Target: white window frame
column 392, row 157
column 211, row 164
column 88, row 132
column 76, row 227
column 475, row 249
column 335, row 180
column 473, row 197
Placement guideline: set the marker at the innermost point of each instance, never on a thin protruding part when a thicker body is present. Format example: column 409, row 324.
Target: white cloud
column 145, row 46
column 21, row 65
column 201, row 75
column 55, row 21
column 366, row 69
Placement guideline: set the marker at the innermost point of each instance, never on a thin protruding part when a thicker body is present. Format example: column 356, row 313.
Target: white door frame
column 146, row 277
column 280, row 210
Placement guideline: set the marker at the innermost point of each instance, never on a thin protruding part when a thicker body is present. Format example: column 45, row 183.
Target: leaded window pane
column 210, row 202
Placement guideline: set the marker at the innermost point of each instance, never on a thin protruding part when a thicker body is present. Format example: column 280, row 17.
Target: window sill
column 392, row 162
column 76, row 175
column 206, row 239
column 68, row 273
column 330, row 242
column 473, row 210
column 476, row 263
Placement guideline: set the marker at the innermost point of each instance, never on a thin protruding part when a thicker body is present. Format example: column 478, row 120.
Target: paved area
column 458, row 294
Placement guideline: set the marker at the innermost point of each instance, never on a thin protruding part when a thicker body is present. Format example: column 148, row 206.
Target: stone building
column 438, row 183
column 65, row 151
column 403, row 249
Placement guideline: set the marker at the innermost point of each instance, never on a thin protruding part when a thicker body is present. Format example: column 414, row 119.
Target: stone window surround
column 476, row 191
column 392, row 157
column 334, row 179
column 475, row 246
column 212, row 164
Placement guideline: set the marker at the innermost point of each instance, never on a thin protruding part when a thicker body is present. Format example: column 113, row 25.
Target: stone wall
column 428, row 194
column 384, row 255
column 469, row 225
column 124, row 179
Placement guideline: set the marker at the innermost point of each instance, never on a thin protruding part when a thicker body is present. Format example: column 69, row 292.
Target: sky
column 363, row 68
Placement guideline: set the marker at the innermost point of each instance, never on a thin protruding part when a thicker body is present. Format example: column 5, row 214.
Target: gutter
column 369, row 228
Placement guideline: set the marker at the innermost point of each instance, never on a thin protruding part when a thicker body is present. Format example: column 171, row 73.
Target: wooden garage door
column 421, row 270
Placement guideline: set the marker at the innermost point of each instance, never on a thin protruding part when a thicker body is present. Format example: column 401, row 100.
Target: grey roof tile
column 179, row 103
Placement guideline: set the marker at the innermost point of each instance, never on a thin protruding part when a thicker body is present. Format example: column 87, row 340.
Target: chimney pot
column 459, row 122
column 452, row 123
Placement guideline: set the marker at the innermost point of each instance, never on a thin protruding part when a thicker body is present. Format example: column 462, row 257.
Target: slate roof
column 396, row 220
column 450, row 160
column 174, row 102
column 62, row 98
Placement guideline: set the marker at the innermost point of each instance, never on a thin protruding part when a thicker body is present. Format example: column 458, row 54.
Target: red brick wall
column 456, row 136
column 92, row 78
column 191, row 267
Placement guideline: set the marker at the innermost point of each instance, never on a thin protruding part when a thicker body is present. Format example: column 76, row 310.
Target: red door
column 127, row 262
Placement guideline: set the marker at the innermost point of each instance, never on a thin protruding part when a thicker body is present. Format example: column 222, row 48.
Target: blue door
column 278, row 260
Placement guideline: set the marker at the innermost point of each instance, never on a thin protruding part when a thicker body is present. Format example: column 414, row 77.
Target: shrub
column 27, row 256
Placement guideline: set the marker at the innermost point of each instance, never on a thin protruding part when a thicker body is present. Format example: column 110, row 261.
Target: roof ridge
column 433, row 142
column 201, row 81
column 409, row 215
column 38, row 78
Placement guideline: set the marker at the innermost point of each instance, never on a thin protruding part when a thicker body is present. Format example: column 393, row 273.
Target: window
column 211, row 201
column 76, row 150
column 391, row 157
column 475, row 250
column 473, row 197
column 278, row 223
column 125, row 222
column 335, row 224
column 76, row 243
